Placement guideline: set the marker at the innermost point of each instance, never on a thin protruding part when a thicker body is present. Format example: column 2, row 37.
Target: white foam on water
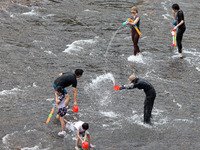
column 31, row 148
column 49, row 15
column 192, row 57
column 109, row 114
column 31, row 13
column 138, row 119
column 161, row 121
column 12, row 91
column 36, row 147
column 34, row 85
column 158, row 118
column 50, row 53
column 6, row 137
column 28, row 131
column 179, row 105
column 105, row 125
column 50, row 99
column 136, row 59
column 87, row 10
column 79, row 45
column 184, row 120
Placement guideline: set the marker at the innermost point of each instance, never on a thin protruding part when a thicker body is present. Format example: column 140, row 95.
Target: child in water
column 81, row 128
column 61, row 104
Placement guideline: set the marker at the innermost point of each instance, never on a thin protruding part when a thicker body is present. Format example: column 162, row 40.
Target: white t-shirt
column 78, row 126
column 62, row 99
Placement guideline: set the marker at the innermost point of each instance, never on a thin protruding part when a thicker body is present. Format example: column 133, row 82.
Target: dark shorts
column 62, row 111
column 54, row 86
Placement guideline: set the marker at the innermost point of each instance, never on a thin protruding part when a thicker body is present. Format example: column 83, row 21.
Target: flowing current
column 41, row 38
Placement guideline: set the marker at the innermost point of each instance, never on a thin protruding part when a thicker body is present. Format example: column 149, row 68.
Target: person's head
column 79, row 73
column 175, row 7
column 132, row 78
column 134, row 10
column 59, row 90
column 85, row 126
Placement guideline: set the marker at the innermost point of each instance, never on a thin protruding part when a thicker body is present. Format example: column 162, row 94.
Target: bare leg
column 62, row 123
column 89, row 139
column 77, row 141
column 67, row 100
column 58, row 117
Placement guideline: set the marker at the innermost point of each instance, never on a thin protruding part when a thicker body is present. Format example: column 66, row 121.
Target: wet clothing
column 62, row 109
column 180, row 17
column 150, row 95
column 78, row 127
column 179, row 37
column 66, row 80
column 181, row 30
column 135, row 36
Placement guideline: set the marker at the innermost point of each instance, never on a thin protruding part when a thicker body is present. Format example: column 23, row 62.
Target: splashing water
column 99, row 89
column 112, row 40
column 95, row 82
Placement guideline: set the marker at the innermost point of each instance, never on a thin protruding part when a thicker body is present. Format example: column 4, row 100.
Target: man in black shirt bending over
column 66, row 79
column 149, row 91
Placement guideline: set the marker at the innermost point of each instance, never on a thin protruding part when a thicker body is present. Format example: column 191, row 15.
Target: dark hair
column 85, row 126
column 59, row 89
column 175, row 6
column 78, row 72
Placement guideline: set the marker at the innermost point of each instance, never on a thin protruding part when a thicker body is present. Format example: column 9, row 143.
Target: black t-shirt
column 180, row 17
column 66, row 80
column 137, row 24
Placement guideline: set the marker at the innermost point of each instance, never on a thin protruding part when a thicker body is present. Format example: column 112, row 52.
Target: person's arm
column 78, row 135
column 57, row 100
column 60, row 74
column 182, row 21
column 135, row 22
column 127, row 86
column 75, row 96
column 85, row 136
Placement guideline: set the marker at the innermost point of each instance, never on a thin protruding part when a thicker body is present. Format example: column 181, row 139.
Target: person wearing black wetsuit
column 180, row 25
column 66, row 79
column 149, row 91
column 134, row 34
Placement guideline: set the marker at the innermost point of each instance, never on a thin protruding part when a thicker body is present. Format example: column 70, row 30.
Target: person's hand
column 121, row 87
column 175, row 28
column 75, row 103
column 60, row 74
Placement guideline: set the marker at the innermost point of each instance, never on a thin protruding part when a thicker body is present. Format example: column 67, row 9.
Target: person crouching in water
column 61, row 103
column 81, row 128
column 149, row 91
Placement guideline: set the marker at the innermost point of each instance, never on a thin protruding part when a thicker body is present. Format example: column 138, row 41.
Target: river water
column 40, row 39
